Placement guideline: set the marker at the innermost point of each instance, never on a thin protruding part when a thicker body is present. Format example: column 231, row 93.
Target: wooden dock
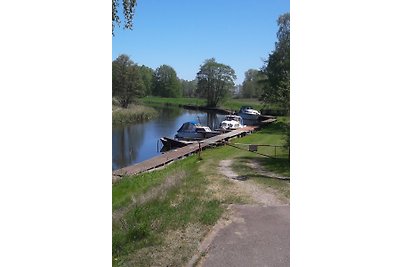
column 172, row 155
column 178, row 153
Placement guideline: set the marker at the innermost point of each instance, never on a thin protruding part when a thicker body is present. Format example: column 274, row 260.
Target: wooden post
column 199, row 150
column 275, row 151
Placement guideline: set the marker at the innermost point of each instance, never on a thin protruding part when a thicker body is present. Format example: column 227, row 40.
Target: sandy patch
column 263, row 196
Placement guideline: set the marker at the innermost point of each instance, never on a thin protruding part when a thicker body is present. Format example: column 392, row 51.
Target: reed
column 133, row 114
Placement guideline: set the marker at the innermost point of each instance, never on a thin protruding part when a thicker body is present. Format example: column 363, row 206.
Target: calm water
column 138, row 142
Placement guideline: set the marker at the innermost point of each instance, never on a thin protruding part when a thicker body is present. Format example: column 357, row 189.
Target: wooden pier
column 178, row 153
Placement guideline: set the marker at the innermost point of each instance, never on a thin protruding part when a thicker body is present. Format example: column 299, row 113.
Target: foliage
column 214, row 81
column 127, row 83
column 189, row 88
column 166, row 82
column 277, row 68
column 147, row 75
column 128, row 11
column 251, row 87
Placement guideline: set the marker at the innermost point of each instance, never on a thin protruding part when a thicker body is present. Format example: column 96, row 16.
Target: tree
column 127, row 83
column 128, row 11
column 189, row 88
column 166, row 82
column 147, row 78
column 214, row 81
column 251, row 88
column 276, row 69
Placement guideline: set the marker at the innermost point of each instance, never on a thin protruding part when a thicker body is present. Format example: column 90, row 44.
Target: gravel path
column 251, row 235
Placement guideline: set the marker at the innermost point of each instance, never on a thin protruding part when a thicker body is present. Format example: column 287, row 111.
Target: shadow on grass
column 274, row 128
column 277, row 165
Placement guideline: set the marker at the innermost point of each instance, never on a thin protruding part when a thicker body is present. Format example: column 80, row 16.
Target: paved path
column 257, row 236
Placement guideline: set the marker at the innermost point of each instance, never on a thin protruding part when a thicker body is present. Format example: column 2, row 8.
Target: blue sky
column 183, row 34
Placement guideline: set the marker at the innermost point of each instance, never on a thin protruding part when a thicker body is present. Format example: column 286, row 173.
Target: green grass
column 154, row 231
column 145, row 225
column 230, row 104
column 125, row 189
column 173, row 101
column 134, row 113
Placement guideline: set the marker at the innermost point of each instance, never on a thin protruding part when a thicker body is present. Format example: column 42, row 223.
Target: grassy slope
column 162, row 215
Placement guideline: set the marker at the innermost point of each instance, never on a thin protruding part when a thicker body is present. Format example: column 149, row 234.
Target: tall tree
column 251, row 88
column 277, row 68
column 189, row 88
column 166, row 82
column 214, row 81
column 147, row 77
column 128, row 10
column 127, row 83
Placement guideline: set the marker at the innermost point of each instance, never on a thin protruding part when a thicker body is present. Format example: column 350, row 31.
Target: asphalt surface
column 257, row 236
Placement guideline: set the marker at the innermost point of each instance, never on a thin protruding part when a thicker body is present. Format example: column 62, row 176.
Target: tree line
column 214, row 80
column 131, row 81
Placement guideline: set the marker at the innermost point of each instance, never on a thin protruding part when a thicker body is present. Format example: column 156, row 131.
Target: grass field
column 160, row 217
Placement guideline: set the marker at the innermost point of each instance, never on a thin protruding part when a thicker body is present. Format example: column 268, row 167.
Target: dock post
column 199, row 150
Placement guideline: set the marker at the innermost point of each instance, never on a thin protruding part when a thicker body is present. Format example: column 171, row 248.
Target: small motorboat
column 231, row 122
column 170, row 143
column 194, row 131
column 248, row 113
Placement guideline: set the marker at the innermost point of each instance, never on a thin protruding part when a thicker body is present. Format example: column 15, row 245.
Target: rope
column 248, row 150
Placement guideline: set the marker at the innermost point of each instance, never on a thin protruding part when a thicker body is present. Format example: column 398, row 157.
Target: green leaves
column 127, row 83
column 166, row 82
column 276, row 85
column 215, row 80
column 128, row 12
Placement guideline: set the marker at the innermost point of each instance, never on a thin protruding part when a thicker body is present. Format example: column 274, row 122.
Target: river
column 135, row 143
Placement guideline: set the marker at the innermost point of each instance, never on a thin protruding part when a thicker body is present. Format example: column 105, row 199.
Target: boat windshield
column 188, row 126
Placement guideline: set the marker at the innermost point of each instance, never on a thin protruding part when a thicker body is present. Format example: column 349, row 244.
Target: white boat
column 231, row 122
column 248, row 113
column 195, row 131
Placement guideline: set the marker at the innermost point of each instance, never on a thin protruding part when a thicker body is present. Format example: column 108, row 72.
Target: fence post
column 199, row 150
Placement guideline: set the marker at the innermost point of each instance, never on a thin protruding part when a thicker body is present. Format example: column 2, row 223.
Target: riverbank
column 134, row 113
column 231, row 104
column 160, row 217
column 227, row 107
